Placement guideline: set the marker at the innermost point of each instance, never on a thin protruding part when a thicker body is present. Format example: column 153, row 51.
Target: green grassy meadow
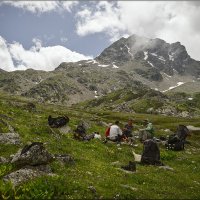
column 97, row 164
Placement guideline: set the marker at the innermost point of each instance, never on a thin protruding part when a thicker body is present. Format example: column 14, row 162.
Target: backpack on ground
column 177, row 141
column 151, row 153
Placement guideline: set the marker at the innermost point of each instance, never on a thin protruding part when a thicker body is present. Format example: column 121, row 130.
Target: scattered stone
column 3, row 160
column 166, row 168
column 92, row 189
column 34, row 154
column 101, row 123
column 127, row 172
column 116, row 163
column 30, row 107
column 150, row 110
column 117, row 196
column 9, row 138
column 65, row 158
column 129, row 187
column 188, row 152
column 23, row 175
column 65, row 129
column 89, row 173
column 184, row 114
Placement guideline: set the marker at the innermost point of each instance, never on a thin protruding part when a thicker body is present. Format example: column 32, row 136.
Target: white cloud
column 5, row 58
column 102, row 18
column 37, row 57
column 172, row 21
column 68, row 5
column 42, row 6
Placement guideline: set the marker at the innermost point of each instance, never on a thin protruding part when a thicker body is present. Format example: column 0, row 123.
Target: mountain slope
column 152, row 62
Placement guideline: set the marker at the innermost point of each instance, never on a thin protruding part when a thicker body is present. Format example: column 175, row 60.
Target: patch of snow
column 121, row 48
column 167, row 75
column 161, row 58
column 180, row 83
column 151, row 64
column 172, row 87
column 154, row 54
column 128, row 50
column 175, row 71
column 89, row 61
column 190, row 98
column 95, row 92
column 94, row 61
column 156, row 89
column 79, row 64
column 145, row 55
column 171, row 57
column 198, row 78
column 103, row 65
column 114, row 66
column 96, row 96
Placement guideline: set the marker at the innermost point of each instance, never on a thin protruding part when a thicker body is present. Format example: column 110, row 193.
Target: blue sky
column 42, row 34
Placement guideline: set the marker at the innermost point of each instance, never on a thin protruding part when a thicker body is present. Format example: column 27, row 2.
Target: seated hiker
column 148, row 132
column 127, row 130
column 107, row 132
column 80, row 133
column 115, row 132
column 177, row 141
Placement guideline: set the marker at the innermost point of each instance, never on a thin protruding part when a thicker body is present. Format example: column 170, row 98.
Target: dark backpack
column 151, row 153
column 176, row 141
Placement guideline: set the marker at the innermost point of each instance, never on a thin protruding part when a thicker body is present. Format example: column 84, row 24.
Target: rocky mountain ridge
column 128, row 62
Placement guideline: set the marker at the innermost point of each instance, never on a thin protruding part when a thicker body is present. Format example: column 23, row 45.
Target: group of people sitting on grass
column 116, row 134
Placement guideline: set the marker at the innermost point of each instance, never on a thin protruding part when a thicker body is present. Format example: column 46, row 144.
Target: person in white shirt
column 115, row 132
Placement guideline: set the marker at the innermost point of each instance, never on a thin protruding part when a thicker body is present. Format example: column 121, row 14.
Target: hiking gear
column 151, row 153
column 177, row 141
column 107, row 133
column 130, row 167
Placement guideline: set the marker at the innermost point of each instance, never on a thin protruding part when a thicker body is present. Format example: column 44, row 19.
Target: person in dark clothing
column 128, row 128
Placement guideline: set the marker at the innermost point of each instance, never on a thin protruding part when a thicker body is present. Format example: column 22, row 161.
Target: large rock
column 9, row 138
column 26, row 174
column 34, row 154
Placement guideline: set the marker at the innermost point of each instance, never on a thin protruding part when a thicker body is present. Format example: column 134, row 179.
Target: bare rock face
column 9, row 138
column 34, row 154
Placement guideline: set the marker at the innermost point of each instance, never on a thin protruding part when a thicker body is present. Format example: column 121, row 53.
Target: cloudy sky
column 42, row 34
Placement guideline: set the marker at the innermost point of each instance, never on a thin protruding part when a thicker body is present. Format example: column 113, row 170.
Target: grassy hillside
column 97, row 164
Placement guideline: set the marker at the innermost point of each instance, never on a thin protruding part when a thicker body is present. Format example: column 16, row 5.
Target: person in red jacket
column 107, row 133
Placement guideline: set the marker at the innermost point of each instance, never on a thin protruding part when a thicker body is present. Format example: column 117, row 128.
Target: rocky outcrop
column 33, row 161
column 25, row 174
column 34, row 154
column 9, row 138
